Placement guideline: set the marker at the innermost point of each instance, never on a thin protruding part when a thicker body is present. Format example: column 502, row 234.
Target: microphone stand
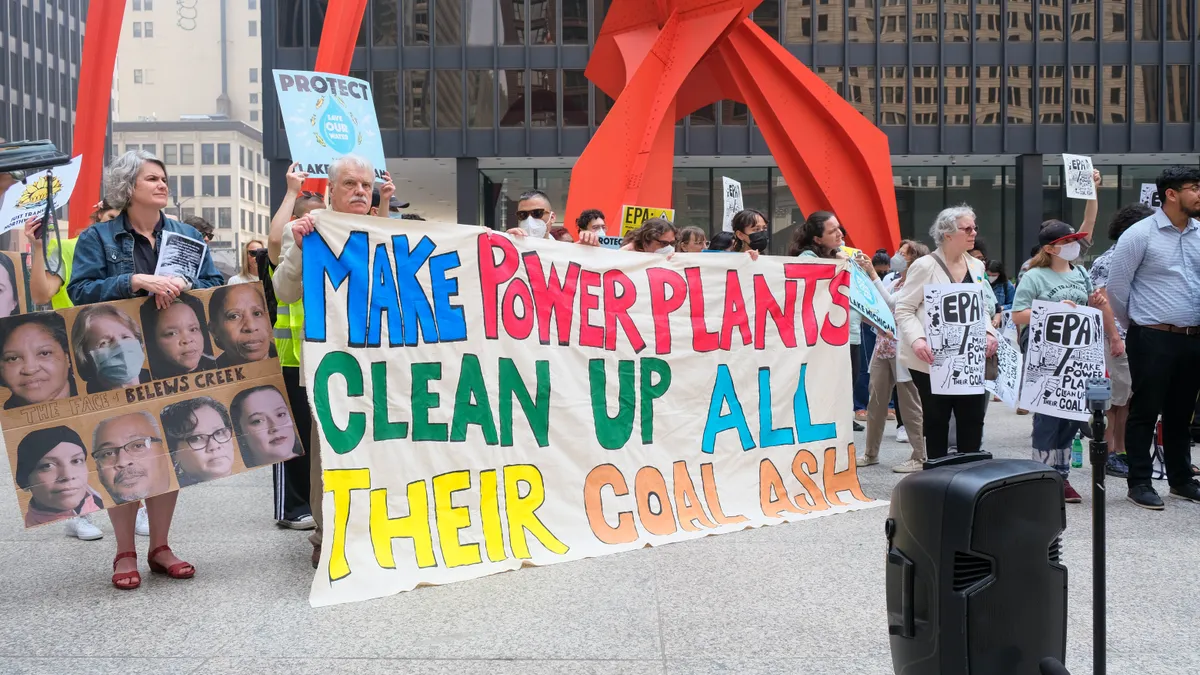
column 1099, row 394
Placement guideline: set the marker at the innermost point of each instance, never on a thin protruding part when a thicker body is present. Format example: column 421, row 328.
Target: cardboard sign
column 130, row 402
column 1007, row 385
column 327, row 116
column 956, row 330
column 732, row 191
column 508, row 401
column 1149, row 195
column 25, row 200
column 866, row 300
column 1066, row 349
column 633, row 217
column 1079, row 177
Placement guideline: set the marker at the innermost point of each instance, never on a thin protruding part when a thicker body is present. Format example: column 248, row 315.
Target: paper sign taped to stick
column 1066, row 349
column 327, row 116
column 25, row 200
column 1007, row 384
column 633, row 217
column 112, row 423
column 956, row 331
column 180, row 256
column 733, row 202
column 504, row 401
column 1149, row 195
column 868, row 302
column 1079, row 177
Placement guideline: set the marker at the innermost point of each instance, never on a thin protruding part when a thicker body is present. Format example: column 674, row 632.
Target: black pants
column 1165, row 369
column 968, row 412
column 291, row 477
column 896, row 407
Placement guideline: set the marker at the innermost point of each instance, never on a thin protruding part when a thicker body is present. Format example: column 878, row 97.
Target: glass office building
column 39, row 69
column 977, row 98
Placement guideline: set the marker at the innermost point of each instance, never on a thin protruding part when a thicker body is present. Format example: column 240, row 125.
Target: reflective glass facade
column 39, row 69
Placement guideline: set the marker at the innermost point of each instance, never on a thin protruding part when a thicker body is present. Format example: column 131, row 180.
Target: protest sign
column 180, row 256
column 632, row 217
column 327, row 116
column 1079, row 177
column 867, row 301
column 1149, row 195
column 27, row 199
column 956, row 331
column 1007, row 384
column 500, row 401
column 733, row 202
column 1008, row 329
column 609, row 241
column 1066, row 349
column 104, row 422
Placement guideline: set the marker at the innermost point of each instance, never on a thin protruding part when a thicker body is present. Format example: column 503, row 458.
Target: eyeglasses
column 200, row 441
column 663, row 242
column 208, row 237
column 536, row 213
column 137, row 448
column 970, row 229
column 1190, row 188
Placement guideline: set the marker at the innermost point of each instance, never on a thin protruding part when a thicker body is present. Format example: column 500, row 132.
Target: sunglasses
column 311, row 195
column 536, row 213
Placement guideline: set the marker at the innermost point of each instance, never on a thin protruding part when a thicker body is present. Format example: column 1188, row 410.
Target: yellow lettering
column 341, row 482
column 414, row 526
column 521, row 510
column 489, row 513
column 451, row 519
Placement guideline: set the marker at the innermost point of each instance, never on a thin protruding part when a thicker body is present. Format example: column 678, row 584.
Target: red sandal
column 126, row 581
column 179, row 570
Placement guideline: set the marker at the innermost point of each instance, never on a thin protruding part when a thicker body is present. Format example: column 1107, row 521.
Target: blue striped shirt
column 1154, row 274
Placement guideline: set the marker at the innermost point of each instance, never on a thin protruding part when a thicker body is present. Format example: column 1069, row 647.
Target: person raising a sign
column 954, row 233
column 1053, row 278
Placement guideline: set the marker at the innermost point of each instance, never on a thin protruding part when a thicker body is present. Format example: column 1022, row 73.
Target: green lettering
column 340, row 363
column 512, row 385
column 612, row 432
column 424, row 400
column 471, row 405
column 385, row 429
column 650, row 391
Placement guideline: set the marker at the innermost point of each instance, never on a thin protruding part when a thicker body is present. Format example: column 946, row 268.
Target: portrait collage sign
column 110, row 403
column 956, row 331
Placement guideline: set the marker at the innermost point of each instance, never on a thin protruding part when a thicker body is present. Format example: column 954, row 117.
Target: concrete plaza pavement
column 805, row 598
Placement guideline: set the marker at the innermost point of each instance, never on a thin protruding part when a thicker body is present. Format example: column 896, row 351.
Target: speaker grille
column 1056, row 550
column 969, row 570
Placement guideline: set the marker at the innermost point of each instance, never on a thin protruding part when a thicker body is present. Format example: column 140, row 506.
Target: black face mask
column 759, row 241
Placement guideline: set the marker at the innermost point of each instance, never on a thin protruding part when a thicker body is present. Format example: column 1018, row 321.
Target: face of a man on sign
column 131, row 457
column 351, row 193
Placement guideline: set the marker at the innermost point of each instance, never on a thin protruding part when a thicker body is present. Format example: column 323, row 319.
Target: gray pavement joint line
column 658, row 617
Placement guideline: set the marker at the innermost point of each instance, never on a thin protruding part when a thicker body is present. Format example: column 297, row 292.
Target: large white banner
column 487, row 402
column 1066, row 349
column 956, row 331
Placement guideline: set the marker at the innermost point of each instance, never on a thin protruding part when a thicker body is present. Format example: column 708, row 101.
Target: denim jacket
column 103, row 266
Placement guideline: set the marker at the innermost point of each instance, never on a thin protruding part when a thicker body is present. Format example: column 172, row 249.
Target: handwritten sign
column 956, row 331
column 1149, row 195
column 1007, row 385
column 327, row 116
column 633, row 217
column 505, row 402
column 1066, row 349
column 732, row 192
column 1079, row 177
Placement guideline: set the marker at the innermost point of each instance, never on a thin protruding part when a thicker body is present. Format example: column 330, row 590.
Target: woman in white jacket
column 954, row 233
column 886, row 373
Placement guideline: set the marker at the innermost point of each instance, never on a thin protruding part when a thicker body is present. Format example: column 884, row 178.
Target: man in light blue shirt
column 1154, row 290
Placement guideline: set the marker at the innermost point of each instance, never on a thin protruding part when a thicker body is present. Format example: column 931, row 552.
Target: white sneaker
column 81, row 528
column 911, row 466
column 142, row 526
column 901, row 435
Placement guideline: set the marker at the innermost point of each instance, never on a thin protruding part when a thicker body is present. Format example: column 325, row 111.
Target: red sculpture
column 661, row 60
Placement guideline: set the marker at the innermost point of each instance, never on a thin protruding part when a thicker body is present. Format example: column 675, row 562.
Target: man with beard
column 1154, row 290
column 350, row 182
column 132, row 460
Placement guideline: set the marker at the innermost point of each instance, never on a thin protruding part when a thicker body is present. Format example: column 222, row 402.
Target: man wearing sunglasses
column 535, row 218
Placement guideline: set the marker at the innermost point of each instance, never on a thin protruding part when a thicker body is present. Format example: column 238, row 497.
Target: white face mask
column 993, row 277
column 534, row 227
column 666, row 250
column 1069, row 252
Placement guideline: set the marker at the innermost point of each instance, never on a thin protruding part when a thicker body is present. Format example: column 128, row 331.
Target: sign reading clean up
column 327, row 116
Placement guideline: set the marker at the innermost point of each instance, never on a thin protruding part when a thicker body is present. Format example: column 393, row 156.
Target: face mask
column 395, row 215
column 993, row 277
column 534, row 227
column 666, row 250
column 899, row 264
column 1069, row 252
column 759, row 240
column 119, row 363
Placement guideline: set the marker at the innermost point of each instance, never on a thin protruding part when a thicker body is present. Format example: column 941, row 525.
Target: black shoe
column 1189, row 491
column 1145, row 497
column 858, row 427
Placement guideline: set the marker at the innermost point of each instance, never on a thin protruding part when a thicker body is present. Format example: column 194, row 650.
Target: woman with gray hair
column 954, row 233
column 117, row 260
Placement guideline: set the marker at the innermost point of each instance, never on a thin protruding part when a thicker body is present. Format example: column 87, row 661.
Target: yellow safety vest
column 61, row 300
column 289, row 332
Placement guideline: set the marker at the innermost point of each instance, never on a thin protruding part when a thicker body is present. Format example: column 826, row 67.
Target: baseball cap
column 1056, row 232
column 393, row 203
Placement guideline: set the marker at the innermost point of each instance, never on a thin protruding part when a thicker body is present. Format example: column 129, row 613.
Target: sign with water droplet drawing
column 327, row 116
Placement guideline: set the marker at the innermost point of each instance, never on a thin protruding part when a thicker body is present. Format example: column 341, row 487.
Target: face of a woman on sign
column 59, row 481
column 267, row 425
column 215, row 459
column 8, row 293
column 245, row 325
column 179, row 336
column 34, row 365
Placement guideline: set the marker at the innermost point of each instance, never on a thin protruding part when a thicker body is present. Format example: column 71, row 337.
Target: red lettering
column 492, row 275
column 552, row 297
column 838, row 335
column 589, row 335
column 784, row 318
column 810, row 274
column 735, row 312
column 616, row 309
column 661, row 305
column 702, row 339
column 520, row 325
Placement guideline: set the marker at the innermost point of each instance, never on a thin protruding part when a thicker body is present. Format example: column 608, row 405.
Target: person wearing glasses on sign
column 200, row 437
column 535, row 218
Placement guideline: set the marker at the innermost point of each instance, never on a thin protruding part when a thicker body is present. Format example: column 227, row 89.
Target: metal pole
column 1099, row 456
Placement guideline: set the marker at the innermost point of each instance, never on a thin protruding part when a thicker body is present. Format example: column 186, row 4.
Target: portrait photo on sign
column 262, row 421
column 53, row 470
column 35, row 360
column 12, row 284
column 108, row 347
column 131, row 456
column 240, row 324
column 177, row 339
column 199, row 435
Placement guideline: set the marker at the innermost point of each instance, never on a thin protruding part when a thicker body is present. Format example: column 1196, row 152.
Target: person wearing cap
column 394, row 205
column 1090, row 211
column 1154, row 287
column 1052, row 277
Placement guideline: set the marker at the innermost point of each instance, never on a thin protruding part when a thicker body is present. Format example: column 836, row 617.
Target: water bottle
column 1077, row 451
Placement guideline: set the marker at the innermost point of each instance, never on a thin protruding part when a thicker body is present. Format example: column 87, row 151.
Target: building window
column 1178, row 101
column 148, row 5
column 893, row 87
column 137, row 5
column 186, row 212
column 253, row 5
column 449, row 99
column 208, row 186
column 187, row 154
column 416, row 104
column 170, row 154
column 137, row 75
column 1145, row 95
column 223, row 153
column 187, row 186
column 575, row 99
column 480, row 98
column 1050, row 94
column 253, row 115
column 1083, row 99
column 242, row 184
column 386, row 86
column 244, row 218
column 137, row 29
column 151, row 148
column 987, row 95
column 543, row 99
column 253, row 29
column 225, row 218
column 254, row 99
column 210, row 214
column 149, row 29
column 173, row 185
column 1019, row 94
column 129, row 147
column 254, row 75
column 224, row 186
column 1113, row 85
column 208, row 154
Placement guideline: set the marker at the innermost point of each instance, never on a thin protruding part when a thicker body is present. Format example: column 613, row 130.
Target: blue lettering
column 769, row 436
column 320, row 263
column 415, row 305
column 806, row 431
column 384, row 297
column 724, row 394
column 452, row 324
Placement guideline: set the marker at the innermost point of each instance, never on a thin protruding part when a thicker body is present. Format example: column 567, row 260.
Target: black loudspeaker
column 975, row 583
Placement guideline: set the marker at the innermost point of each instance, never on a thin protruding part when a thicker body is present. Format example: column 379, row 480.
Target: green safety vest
column 61, row 300
column 289, row 332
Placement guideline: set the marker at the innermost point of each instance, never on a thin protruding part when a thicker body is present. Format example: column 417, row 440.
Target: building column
column 1030, row 196
column 468, row 190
